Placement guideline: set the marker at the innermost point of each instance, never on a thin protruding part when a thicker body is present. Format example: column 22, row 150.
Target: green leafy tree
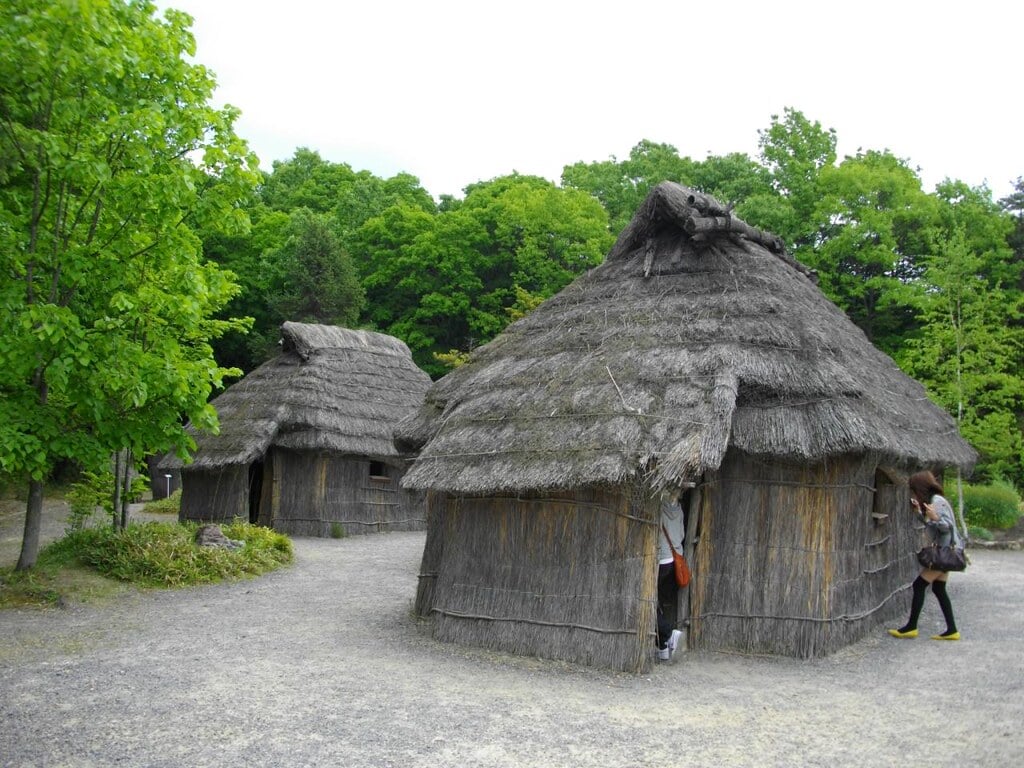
column 968, row 353
column 422, row 279
column 248, row 256
column 795, row 150
column 110, row 158
column 1013, row 204
column 540, row 236
column 620, row 187
column 313, row 279
column 266, row 259
column 445, row 281
column 872, row 218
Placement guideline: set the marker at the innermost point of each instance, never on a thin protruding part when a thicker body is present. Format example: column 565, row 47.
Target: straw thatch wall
column 565, row 576
column 327, row 494
column 798, row 559
column 306, row 439
column 215, row 495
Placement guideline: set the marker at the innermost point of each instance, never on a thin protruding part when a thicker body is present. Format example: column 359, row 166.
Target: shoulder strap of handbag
column 668, row 538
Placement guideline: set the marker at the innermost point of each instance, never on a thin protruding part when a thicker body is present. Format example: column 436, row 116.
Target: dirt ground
column 322, row 664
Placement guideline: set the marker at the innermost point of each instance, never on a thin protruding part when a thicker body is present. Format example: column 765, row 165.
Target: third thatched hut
column 698, row 356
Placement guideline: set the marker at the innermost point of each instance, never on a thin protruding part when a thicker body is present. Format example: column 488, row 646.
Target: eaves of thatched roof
column 697, row 333
column 331, row 389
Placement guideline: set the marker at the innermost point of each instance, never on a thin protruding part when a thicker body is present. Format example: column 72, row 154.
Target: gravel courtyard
column 321, row 664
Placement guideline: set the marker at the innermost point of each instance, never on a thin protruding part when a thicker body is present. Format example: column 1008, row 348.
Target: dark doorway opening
column 255, row 490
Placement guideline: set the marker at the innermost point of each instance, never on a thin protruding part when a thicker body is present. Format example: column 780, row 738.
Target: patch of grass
column 337, row 531
column 169, row 505
column 96, row 561
column 978, row 533
column 995, row 506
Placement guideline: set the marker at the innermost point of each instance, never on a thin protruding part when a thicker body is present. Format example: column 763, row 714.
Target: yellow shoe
column 951, row 636
column 908, row 634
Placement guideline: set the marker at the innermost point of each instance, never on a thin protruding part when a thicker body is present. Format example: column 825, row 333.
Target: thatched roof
column 331, row 389
column 697, row 333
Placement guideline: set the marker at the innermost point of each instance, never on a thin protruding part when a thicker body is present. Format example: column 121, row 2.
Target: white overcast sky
column 456, row 92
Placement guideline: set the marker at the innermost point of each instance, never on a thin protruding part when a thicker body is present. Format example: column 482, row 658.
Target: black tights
column 920, row 586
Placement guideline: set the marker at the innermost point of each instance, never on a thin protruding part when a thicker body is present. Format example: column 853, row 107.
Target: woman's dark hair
column 924, row 486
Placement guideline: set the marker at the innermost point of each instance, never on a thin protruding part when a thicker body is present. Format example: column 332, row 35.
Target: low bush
column 154, row 554
column 977, row 533
column 995, row 506
column 169, row 505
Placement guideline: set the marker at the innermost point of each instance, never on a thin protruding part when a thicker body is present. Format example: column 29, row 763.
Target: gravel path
column 321, row 664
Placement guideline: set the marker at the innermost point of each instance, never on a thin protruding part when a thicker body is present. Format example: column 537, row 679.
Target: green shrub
column 169, row 505
column 337, row 531
column 91, row 493
column 165, row 554
column 993, row 506
column 977, row 533
column 94, row 491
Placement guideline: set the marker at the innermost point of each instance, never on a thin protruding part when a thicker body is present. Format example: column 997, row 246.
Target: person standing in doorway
column 671, row 530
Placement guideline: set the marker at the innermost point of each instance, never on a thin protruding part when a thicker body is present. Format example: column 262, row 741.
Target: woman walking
column 926, row 500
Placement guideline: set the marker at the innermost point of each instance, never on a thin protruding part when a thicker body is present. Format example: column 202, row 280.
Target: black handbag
column 945, row 558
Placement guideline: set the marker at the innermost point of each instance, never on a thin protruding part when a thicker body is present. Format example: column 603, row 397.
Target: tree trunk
column 126, row 483
column 33, row 522
column 116, row 514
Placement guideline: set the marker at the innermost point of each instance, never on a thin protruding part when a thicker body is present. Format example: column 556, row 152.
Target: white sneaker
column 665, row 653
column 673, row 642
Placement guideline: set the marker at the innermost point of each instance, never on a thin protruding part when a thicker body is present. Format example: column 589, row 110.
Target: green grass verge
column 95, row 562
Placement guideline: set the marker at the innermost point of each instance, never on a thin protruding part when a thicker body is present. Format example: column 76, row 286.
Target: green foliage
column 111, row 157
column 82, row 564
column 995, row 506
column 968, row 352
column 88, row 494
column 312, row 279
column 169, row 505
column 95, row 491
column 795, row 150
column 166, row 555
column 445, row 281
column 872, row 223
column 977, row 533
column 337, row 531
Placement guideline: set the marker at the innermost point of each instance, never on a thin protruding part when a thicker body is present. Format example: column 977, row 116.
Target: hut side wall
column 567, row 576
column 214, row 496
column 797, row 560
column 330, row 494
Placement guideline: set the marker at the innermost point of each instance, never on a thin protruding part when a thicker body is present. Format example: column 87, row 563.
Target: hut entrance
column 677, row 611
column 255, row 490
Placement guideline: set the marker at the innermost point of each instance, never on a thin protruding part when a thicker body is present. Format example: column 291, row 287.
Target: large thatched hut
column 698, row 356
column 305, row 443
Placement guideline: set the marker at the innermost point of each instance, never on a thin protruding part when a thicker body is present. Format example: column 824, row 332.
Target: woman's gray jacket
column 942, row 531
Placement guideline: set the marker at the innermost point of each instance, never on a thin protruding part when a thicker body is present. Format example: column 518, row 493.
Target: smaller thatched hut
column 698, row 356
column 305, row 443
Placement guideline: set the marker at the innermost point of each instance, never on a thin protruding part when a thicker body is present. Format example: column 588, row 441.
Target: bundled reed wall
column 567, row 576
column 315, row 493
column 798, row 559
column 214, row 496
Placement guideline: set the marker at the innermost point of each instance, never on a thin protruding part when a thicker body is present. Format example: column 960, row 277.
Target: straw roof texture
column 331, row 389
column 698, row 332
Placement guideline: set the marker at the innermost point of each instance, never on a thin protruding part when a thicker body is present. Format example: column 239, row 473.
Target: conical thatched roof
column 330, row 389
column 697, row 332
